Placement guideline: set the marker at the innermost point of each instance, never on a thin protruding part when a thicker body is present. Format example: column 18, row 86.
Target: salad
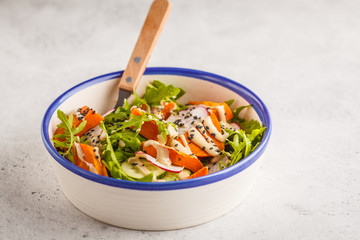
column 155, row 138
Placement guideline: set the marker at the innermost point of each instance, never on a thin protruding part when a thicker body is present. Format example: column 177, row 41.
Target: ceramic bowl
column 158, row 205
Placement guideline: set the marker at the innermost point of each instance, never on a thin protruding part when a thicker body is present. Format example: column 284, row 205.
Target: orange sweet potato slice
column 89, row 156
column 149, row 129
column 177, row 158
column 213, row 105
column 168, row 107
column 92, row 119
column 202, row 172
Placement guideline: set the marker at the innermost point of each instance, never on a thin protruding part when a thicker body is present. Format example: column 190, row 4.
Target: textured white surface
column 301, row 57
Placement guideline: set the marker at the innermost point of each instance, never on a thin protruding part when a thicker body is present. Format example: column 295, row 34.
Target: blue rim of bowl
column 236, row 87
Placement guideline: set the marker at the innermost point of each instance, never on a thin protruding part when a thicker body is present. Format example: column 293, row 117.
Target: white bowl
column 159, row 205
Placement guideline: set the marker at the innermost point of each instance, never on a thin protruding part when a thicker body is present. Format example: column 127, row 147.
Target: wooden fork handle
column 150, row 32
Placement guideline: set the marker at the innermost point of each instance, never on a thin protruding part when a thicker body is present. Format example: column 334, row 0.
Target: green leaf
column 68, row 137
column 147, row 178
column 110, row 160
column 229, row 102
column 158, row 92
column 240, row 144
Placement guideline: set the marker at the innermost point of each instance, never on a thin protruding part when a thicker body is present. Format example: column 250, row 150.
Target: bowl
column 158, row 205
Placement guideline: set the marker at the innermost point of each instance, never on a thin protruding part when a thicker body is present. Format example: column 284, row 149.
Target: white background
column 301, row 57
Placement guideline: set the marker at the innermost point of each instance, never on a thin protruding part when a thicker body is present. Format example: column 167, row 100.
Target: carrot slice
column 89, row 156
column 177, row 158
column 213, row 105
column 202, row 172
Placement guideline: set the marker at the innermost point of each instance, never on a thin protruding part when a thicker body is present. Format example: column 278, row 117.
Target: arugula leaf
column 110, row 160
column 65, row 147
column 229, row 102
column 240, row 144
column 247, row 125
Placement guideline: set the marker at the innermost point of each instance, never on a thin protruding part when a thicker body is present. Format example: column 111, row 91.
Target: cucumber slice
column 170, row 176
column 184, row 174
column 147, row 178
column 134, row 172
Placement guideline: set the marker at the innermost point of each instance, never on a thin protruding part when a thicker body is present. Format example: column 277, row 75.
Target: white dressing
column 179, row 147
column 213, row 131
column 222, row 114
column 162, row 154
column 197, row 138
column 172, row 132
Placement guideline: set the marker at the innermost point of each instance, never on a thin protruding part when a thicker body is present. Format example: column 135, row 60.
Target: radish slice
column 235, row 126
column 172, row 168
column 186, row 119
column 108, row 112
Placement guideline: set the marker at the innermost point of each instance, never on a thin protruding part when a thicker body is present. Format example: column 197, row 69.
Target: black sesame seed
column 97, row 157
column 190, row 142
column 143, row 165
column 213, row 134
column 191, row 135
column 195, row 117
column 192, row 122
column 207, row 127
column 211, row 148
column 204, row 132
column 217, row 150
column 134, row 163
column 192, row 130
column 94, row 150
column 190, row 138
column 203, row 148
column 176, row 145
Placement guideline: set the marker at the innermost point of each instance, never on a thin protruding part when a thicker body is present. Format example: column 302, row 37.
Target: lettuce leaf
column 158, row 91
